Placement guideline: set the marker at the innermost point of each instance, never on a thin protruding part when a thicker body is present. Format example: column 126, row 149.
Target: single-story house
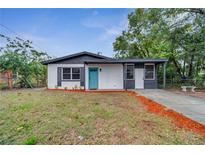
column 89, row 71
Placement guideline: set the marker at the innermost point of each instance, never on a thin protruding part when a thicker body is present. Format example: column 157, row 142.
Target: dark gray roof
column 75, row 55
column 127, row 61
column 103, row 59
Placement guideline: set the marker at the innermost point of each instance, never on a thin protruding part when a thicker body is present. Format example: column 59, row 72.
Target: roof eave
column 55, row 60
column 126, row 61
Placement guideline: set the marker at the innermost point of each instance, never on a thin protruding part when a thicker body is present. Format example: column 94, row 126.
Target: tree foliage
column 175, row 34
column 20, row 57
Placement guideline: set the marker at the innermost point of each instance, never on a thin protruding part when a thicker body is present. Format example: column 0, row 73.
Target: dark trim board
column 82, row 76
column 59, row 82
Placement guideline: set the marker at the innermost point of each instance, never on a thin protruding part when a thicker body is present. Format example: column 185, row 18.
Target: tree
column 20, row 57
column 175, row 34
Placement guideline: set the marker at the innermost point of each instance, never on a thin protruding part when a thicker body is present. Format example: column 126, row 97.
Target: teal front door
column 93, row 78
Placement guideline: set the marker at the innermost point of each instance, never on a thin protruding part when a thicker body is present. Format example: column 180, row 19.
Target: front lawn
column 54, row 117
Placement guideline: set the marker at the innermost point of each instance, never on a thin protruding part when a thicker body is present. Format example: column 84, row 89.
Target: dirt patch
column 121, row 133
column 147, row 125
column 127, row 106
column 70, row 137
column 122, row 136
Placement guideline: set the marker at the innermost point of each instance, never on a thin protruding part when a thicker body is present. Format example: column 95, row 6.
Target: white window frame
column 153, row 71
column 126, row 71
column 71, row 73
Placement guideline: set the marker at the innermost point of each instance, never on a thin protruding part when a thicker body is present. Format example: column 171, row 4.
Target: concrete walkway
column 189, row 106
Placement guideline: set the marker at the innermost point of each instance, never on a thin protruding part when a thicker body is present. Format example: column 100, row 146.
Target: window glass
column 75, row 70
column 66, row 76
column 149, row 71
column 66, row 70
column 75, row 76
column 130, row 72
column 75, row 73
column 66, row 73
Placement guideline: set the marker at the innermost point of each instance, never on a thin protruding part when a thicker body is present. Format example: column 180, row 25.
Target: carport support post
column 164, row 75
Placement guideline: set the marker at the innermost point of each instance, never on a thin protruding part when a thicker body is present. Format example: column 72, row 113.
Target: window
column 71, row 73
column 66, row 73
column 130, row 71
column 75, row 73
column 149, row 71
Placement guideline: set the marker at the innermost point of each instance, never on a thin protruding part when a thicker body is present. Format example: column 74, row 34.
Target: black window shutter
column 59, row 76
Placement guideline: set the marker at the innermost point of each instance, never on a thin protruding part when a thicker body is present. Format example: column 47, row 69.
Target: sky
column 61, row 32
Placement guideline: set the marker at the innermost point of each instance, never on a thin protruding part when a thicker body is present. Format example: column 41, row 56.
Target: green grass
column 31, row 141
column 52, row 117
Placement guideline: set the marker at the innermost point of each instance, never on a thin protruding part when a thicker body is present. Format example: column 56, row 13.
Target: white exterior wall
column 52, row 75
column 70, row 84
column 110, row 76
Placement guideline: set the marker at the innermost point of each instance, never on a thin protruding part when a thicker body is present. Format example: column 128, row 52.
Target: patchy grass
column 54, row 117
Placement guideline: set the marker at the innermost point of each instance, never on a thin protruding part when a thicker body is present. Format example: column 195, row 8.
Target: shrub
column 76, row 87
column 3, row 86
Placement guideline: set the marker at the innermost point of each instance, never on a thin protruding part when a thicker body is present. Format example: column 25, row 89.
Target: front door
column 139, row 78
column 93, row 78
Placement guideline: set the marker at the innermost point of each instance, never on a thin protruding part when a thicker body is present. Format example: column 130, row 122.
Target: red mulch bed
column 66, row 90
column 178, row 119
column 87, row 91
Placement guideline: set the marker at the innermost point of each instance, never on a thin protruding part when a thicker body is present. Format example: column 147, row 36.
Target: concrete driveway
column 189, row 106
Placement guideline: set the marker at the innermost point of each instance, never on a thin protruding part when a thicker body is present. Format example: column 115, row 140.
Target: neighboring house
column 93, row 71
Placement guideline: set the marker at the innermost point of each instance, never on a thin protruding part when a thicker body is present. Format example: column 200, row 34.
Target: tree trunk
column 197, row 67
column 184, row 63
column 191, row 67
column 177, row 66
